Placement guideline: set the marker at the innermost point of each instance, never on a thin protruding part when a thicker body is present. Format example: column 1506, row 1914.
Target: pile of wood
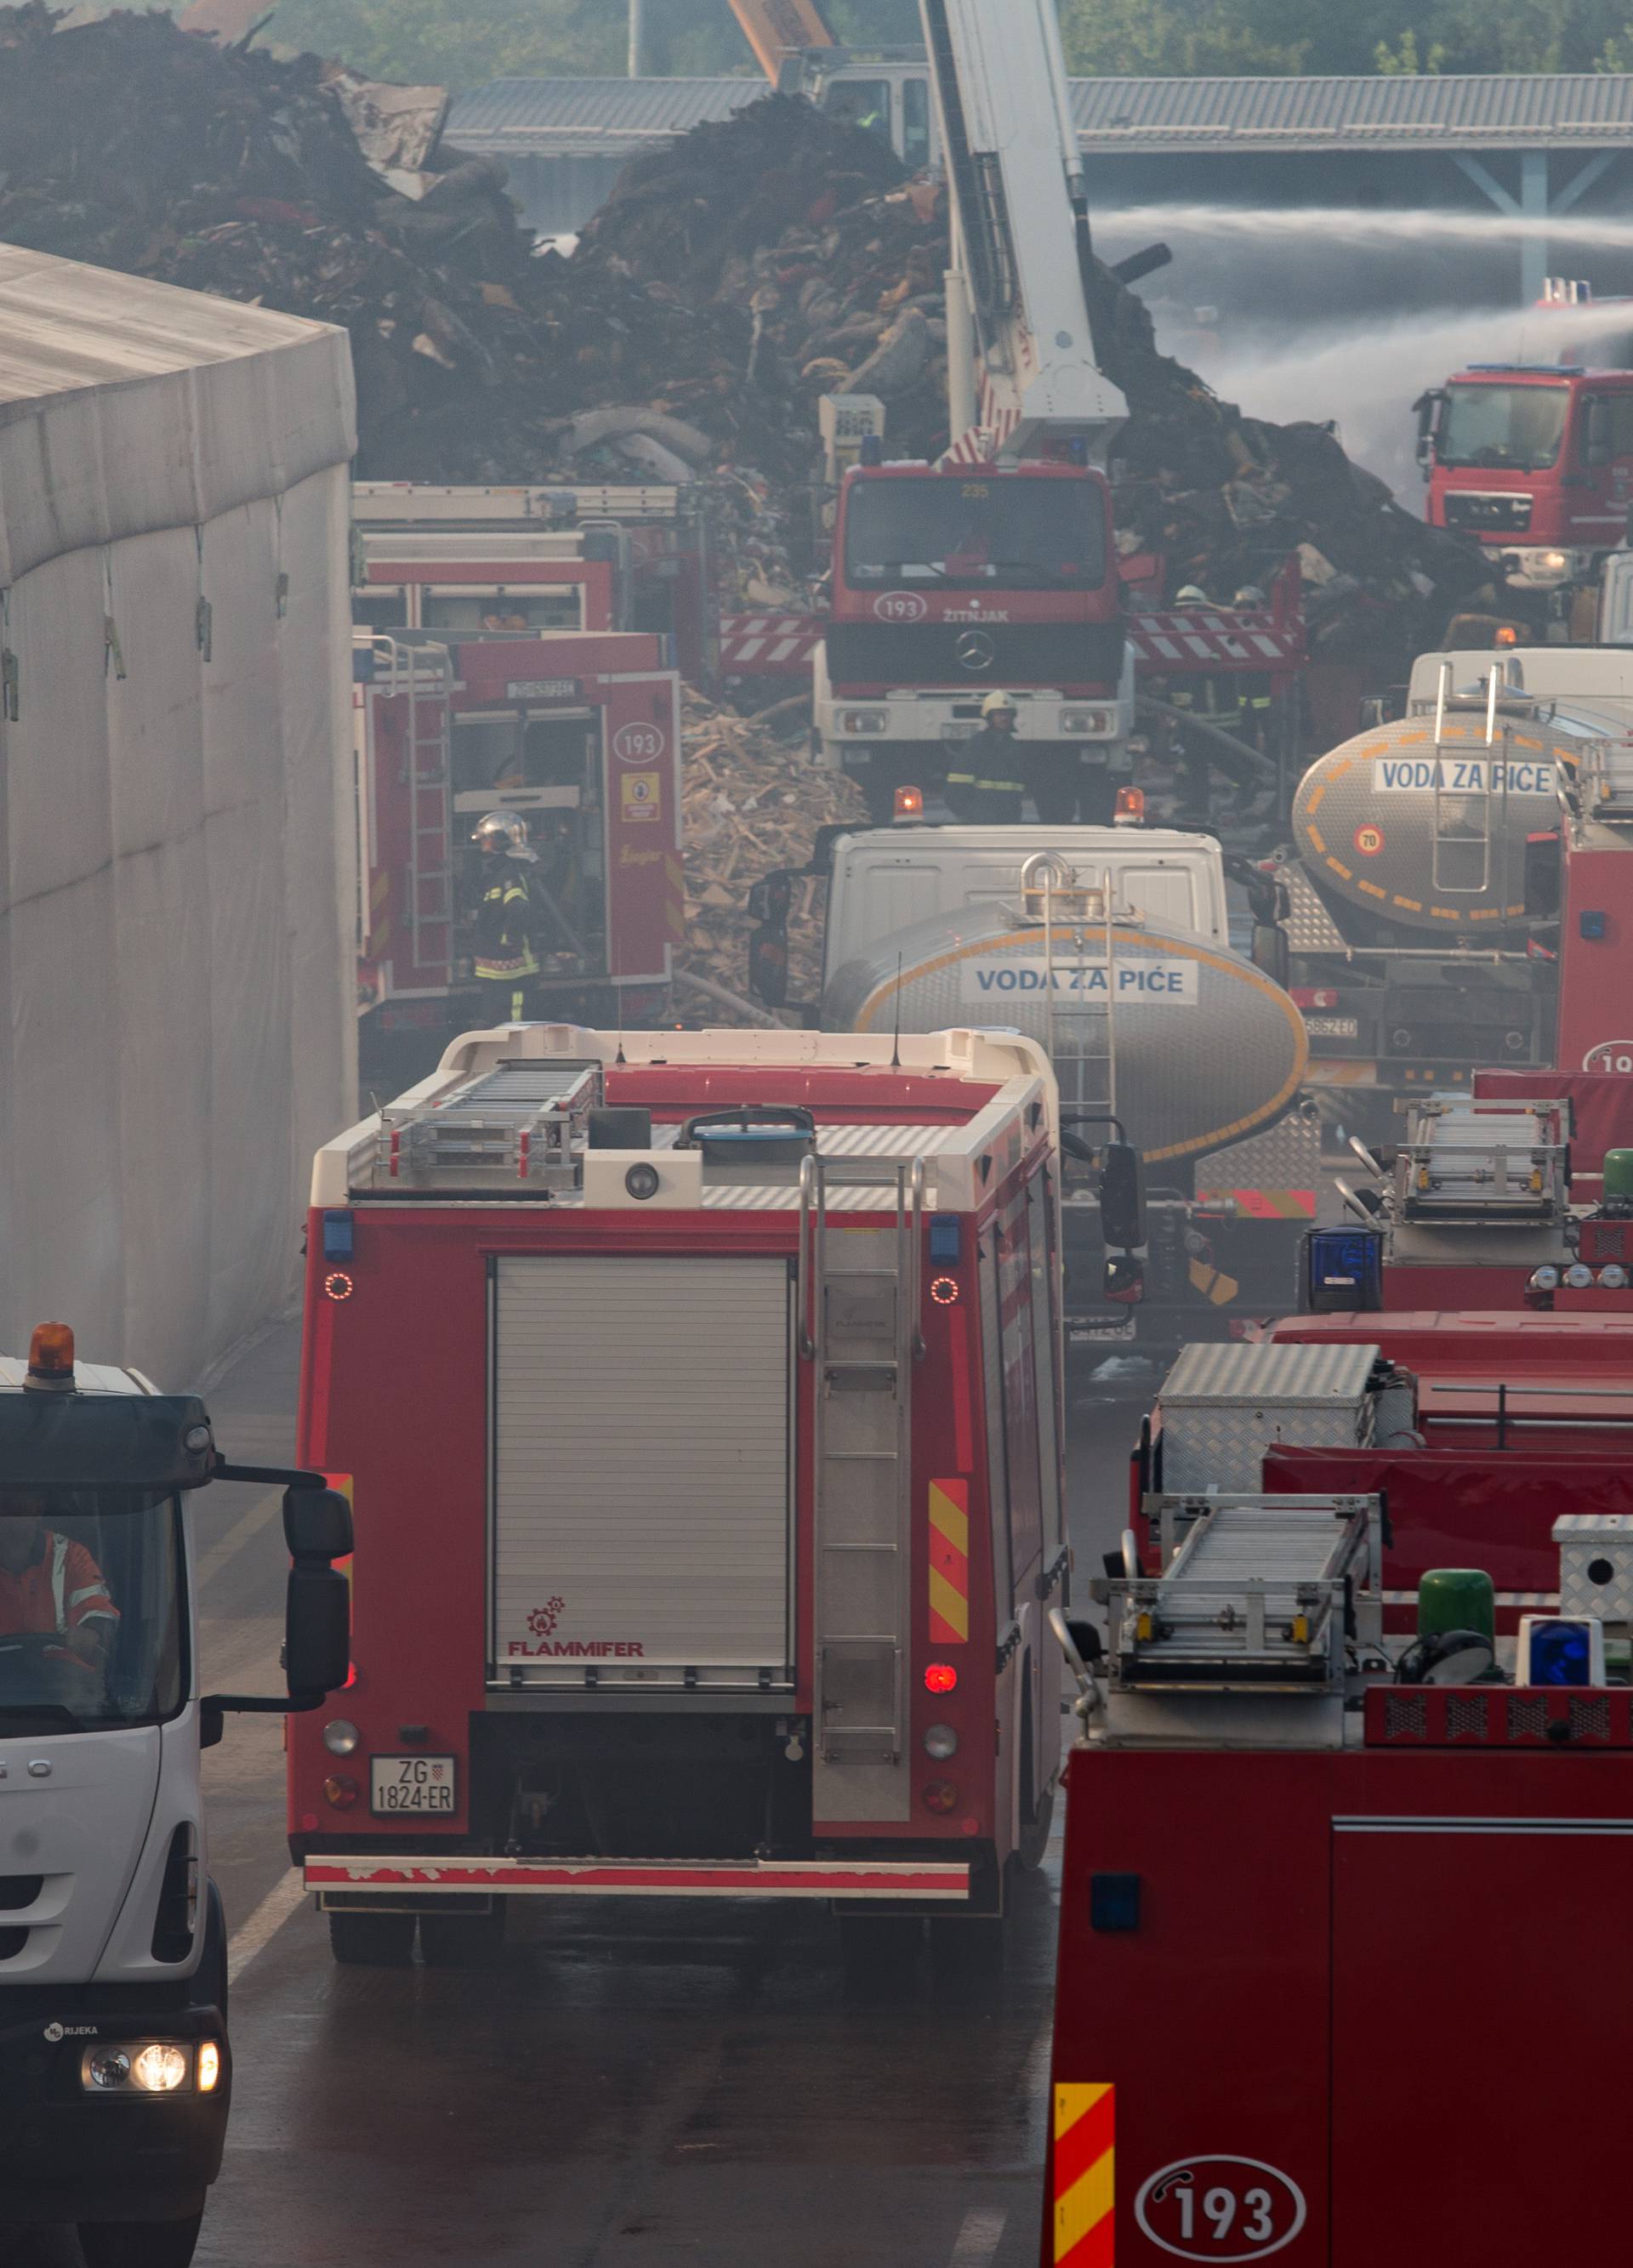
column 751, row 801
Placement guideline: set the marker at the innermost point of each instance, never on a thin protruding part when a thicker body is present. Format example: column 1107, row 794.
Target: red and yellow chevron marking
column 1266, row 1204
column 950, row 1563
column 1085, row 2190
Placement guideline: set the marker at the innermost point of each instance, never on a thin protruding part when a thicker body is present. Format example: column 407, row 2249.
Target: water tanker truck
column 1111, row 946
column 1419, row 898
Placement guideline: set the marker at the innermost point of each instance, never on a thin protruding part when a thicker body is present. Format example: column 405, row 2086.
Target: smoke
column 1366, row 375
column 1368, row 226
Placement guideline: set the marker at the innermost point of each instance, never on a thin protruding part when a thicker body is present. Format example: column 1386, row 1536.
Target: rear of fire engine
column 1344, row 1971
column 700, row 1394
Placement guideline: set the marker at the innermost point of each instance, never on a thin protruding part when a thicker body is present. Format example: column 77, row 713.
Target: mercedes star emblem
column 976, row 651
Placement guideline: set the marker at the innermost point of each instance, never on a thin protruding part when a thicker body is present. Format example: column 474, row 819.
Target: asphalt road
column 637, row 2085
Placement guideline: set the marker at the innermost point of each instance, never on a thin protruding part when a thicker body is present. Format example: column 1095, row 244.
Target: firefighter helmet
column 1249, row 595
column 999, row 704
column 500, row 831
column 1192, row 595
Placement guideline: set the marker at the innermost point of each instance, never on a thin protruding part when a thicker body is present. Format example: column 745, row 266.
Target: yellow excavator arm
column 774, row 28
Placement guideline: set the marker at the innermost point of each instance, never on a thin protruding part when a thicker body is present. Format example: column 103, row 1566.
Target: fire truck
column 579, row 734
column 723, row 1457
column 460, row 563
column 1290, row 1834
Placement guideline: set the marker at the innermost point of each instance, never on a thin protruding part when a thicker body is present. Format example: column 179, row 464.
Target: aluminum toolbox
column 1596, row 1565
column 1222, row 1406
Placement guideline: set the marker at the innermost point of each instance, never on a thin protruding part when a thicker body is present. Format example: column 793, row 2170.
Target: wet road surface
column 638, row 2084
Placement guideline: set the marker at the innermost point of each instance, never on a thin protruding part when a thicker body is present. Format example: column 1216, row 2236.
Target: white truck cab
column 883, row 880
column 116, row 2076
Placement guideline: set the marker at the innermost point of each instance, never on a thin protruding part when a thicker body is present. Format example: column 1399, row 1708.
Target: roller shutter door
column 640, row 1478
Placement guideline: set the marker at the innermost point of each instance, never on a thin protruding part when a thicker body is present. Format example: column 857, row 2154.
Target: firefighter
column 983, row 782
column 505, row 963
column 1211, row 698
column 1254, row 688
column 50, row 1586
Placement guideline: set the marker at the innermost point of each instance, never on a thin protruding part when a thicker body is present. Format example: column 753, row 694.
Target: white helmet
column 998, row 703
column 499, row 831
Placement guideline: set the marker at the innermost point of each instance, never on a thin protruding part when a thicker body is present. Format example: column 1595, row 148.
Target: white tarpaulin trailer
column 176, row 1026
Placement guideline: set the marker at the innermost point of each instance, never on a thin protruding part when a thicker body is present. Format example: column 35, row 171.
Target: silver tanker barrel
column 1422, row 832
column 1199, row 1049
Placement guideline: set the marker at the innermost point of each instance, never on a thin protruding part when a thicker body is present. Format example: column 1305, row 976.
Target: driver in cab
column 50, row 1586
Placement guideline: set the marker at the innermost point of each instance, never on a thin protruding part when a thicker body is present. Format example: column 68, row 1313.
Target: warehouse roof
column 1491, row 111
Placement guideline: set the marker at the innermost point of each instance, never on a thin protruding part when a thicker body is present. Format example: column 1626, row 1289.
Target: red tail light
column 940, row 1795
column 941, row 1677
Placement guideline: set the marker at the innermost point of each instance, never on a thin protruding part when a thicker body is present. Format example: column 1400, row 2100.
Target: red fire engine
column 484, row 562
column 706, row 1531
column 581, row 736
column 1275, row 1805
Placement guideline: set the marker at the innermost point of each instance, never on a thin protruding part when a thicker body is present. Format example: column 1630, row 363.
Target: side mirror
column 1430, row 407
column 317, row 1524
column 1272, row 952
column 317, row 1630
column 772, row 897
column 1122, row 1196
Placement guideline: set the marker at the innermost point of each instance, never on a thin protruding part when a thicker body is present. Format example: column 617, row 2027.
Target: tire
column 1034, row 1843
column 879, row 1952
column 973, row 1947
column 463, row 1940
column 371, row 1941
column 139, row 2243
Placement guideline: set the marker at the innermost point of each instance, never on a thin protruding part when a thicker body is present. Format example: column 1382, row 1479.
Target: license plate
column 412, row 1783
column 1333, row 1028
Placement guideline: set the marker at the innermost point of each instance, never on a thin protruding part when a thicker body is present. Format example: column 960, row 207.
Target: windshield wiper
column 1053, row 580
column 25, row 1713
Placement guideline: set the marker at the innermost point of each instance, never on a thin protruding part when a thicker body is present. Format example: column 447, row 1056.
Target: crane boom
column 776, row 29
column 1021, row 230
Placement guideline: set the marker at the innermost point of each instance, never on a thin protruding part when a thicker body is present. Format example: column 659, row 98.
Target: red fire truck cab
column 951, row 582
column 1535, row 461
column 580, row 735
column 700, row 1397
column 460, row 563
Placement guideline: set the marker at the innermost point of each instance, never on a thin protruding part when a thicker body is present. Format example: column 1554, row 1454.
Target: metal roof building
column 1534, row 147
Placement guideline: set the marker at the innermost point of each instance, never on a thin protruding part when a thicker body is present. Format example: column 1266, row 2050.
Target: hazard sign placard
column 642, row 796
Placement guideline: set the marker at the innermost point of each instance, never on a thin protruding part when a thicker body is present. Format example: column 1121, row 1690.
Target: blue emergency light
column 338, row 1237
column 946, row 1238
column 1560, row 1652
column 1343, row 1271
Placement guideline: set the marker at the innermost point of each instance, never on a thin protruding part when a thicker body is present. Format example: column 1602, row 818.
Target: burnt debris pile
column 737, row 275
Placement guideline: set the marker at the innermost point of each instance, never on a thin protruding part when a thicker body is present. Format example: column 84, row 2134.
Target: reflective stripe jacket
column 57, row 1591
column 504, row 946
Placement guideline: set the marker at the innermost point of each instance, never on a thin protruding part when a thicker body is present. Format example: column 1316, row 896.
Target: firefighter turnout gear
column 983, row 779
column 505, row 962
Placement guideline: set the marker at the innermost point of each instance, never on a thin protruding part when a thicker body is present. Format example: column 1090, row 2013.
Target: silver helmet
column 500, row 831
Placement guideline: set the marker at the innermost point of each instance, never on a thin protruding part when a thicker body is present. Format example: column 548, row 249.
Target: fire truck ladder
column 1463, row 815
column 1079, row 1029
column 858, row 1305
column 425, row 673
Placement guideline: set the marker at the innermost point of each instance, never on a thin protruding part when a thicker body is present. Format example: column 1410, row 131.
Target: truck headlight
column 864, row 721
column 1555, row 563
column 1578, row 1276
column 105, row 2069
column 1085, row 723
column 1545, row 1278
column 160, row 2070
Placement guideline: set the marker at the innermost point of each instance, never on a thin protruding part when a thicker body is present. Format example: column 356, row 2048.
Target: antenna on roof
column 896, row 1036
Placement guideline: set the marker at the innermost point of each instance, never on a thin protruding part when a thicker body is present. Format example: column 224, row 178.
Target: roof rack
column 515, row 1124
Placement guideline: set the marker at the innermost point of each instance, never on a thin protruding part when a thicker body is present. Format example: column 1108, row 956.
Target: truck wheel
column 461, row 1940
column 879, row 1951
column 139, row 2243
column 1035, row 1832
column 973, row 1947
column 371, row 1941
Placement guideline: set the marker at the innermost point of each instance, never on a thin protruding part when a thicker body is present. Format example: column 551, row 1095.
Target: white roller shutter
column 640, row 1490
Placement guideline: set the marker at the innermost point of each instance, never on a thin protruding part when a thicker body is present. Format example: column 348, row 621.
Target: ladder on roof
column 858, row 1309
column 1463, row 807
column 1080, row 987
column 431, row 815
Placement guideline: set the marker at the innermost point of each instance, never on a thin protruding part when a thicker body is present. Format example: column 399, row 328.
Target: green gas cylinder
column 1619, row 1177
column 1456, row 1599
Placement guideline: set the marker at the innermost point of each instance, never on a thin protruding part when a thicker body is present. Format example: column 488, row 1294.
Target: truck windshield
column 1518, row 427
column 1029, row 533
column 92, row 1610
